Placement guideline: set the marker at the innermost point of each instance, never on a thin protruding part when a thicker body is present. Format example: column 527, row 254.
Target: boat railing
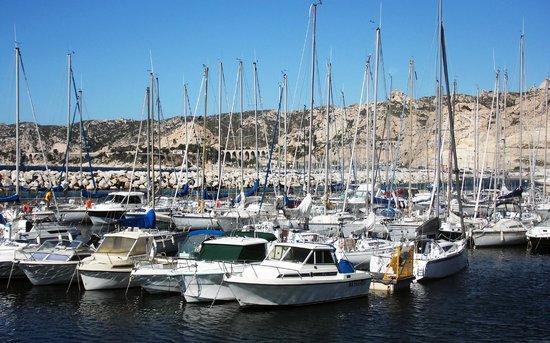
column 280, row 270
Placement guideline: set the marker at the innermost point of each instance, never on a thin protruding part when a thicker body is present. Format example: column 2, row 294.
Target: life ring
column 88, row 203
column 26, row 208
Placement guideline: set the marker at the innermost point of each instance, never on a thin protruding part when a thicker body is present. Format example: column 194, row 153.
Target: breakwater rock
column 126, row 179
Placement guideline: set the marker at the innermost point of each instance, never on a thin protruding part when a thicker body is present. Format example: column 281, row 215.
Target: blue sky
column 113, row 42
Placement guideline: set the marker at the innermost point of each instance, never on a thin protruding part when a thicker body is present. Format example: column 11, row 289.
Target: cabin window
column 229, row 253
column 117, row 245
column 134, row 200
column 277, row 252
column 296, row 254
column 324, row 257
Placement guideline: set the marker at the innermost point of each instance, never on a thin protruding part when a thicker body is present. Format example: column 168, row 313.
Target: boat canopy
column 147, row 221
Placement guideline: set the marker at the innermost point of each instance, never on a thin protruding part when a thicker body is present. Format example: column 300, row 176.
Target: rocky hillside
column 114, row 143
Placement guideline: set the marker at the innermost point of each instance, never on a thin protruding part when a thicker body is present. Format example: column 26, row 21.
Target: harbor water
column 502, row 296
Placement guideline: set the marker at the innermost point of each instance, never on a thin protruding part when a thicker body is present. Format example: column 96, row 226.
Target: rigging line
column 40, row 144
column 138, row 142
column 302, row 57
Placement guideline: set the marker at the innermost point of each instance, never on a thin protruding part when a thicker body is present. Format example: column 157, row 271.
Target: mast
column 81, row 130
column 256, row 122
column 521, row 90
column 204, row 132
column 497, row 135
column 151, row 143
column 241, row 122
column 285, row 86
column 374, row 115
column 310, row 151
column 69, row 74
column 327, row 140
column 17, row 148
column 148, row 143
column 220, row 82
column 454, row 163
column 411, row 73
column 545, row 132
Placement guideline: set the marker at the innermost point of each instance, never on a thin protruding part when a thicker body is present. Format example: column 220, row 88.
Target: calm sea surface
column 503, row 295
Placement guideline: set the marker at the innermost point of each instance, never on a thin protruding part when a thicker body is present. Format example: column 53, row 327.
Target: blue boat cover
column 345, row 266
column 146, row 221
column 10, row 198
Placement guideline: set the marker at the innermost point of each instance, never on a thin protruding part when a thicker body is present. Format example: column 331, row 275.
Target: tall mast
column 204, row 129
column 241, row 121
column 327, row 139
column 148, row 143
column 521, row 90
column 17, row 148
column 411, row 73
column 285, row 85
column 69, row 74
column 81, row 130
column 545, row 131
column 310, row 152
column 504, row 118
column 374, row 115
column 186, row 132
column 256, row 121
column 497, row 135
column 220, row 82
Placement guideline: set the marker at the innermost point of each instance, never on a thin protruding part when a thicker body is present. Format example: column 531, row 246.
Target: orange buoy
column 88, row 203
column 26, row 208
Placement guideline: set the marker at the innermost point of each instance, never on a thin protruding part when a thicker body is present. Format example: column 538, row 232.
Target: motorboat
column 155, row 276
column 111, row 264
column 114, row 206
column 296, row 274
column 538, row 237
column 203, row 280
column 503, row 232
column 52, row 262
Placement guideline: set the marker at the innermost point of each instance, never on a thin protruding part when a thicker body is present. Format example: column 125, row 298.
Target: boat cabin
column 233, row 249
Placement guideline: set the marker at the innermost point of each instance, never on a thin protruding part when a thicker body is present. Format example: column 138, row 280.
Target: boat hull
column 298, row 291
column 97, row 280
column 49, row 273
column 156, row 281
column 431, row 269
column 485, row 238
column 205, row 287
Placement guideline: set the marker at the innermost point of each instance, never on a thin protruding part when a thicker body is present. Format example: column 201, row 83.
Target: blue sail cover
column 184, row 191
column 10, row 198
column 147, row 221
column 251, row 191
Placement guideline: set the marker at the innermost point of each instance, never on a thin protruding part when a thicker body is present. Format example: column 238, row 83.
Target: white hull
column 156, row 281
column 195, row 221
column 103, row 218
column 488, row 238
column 49, row 273
column 96, row 280
column 206, row 287
column 298, row 291
column 427, row 267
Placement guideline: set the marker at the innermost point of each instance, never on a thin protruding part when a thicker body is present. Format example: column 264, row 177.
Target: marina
column 403, row 216
column 501, row 296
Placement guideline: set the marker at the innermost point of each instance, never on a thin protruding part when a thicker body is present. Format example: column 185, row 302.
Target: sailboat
column 440, row 258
